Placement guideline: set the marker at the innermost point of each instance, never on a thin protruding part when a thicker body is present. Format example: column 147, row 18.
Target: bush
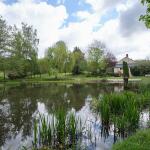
column 141, row 69
column 136, row 71
column 15, row 75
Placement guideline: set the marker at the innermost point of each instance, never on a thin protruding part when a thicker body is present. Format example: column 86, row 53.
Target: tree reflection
column 19, row 104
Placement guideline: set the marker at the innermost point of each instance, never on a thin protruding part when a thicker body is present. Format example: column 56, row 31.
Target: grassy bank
column 69, row 78
column 45, row 78
column 139, row 141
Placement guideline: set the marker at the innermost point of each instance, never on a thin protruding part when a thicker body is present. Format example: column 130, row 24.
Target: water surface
column 20, row 105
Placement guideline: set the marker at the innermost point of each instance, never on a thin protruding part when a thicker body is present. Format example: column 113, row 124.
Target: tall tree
column 96, row 59
column 69, row 62
column 24, row 51
column 4, row 45
column 146, row 17
column 79, row 61
column 57, row 57
column 30, row 46
column 43, row 66
column 110, row 59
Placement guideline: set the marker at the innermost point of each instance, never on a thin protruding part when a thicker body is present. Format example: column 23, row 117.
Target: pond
column 20, row 105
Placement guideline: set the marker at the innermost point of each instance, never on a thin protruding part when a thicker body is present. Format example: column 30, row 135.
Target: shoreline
column 83, row 80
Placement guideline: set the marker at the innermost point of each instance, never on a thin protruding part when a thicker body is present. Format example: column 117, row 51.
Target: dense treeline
column 19, row 55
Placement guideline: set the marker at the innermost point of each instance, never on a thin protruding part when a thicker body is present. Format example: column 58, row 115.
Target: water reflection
column 20, row 105
column 118, row 88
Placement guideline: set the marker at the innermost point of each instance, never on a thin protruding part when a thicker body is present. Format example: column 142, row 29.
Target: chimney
column 127, row 55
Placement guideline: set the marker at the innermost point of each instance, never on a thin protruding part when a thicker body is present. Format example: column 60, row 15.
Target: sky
column 79, row 22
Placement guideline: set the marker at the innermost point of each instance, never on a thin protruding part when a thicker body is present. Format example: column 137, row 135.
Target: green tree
column 17, row 59
column 23, row 51
column 96, row 59
column 69, row 62
column 4, row 46
column 43, row 66
column 146, row 17
column 57, row 57
column 30, row 46
column 79, row 62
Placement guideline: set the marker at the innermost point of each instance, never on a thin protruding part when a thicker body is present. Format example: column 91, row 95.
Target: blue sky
column 79, row 22
column 73, row 6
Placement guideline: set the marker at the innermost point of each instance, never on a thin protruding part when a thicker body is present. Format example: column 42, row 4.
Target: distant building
column 118, row 69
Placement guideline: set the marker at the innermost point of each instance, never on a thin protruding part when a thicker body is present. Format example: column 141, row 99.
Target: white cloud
column 83, row 14
column 124, row 34
column 136, row 45
column 101, row 5
column 46, row 18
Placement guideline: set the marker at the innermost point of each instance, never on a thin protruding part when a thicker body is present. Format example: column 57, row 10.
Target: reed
column 61, row 131
column 120, row 109
column 144, row 91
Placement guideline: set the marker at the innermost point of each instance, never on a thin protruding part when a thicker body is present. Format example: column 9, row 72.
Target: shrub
column 141, row 69
column 15, row 75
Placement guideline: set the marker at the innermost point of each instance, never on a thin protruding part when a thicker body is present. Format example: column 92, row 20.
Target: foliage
column 4, row 45
column 125, row 69
column 69, row 62
column 79, row 61
column 96, row 59
column 18, row 50
column 57, row 56
column 146, row 18
column 142, row 68
column 24, row 49
column 138, row 141
column 43, row 65
column 110, row 59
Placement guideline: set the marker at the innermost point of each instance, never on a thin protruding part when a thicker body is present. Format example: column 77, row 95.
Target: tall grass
column 61, row 131
column 144, row 91
column 121, row 110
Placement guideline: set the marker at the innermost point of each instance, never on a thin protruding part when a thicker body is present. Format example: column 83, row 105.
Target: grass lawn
column 139, row 141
